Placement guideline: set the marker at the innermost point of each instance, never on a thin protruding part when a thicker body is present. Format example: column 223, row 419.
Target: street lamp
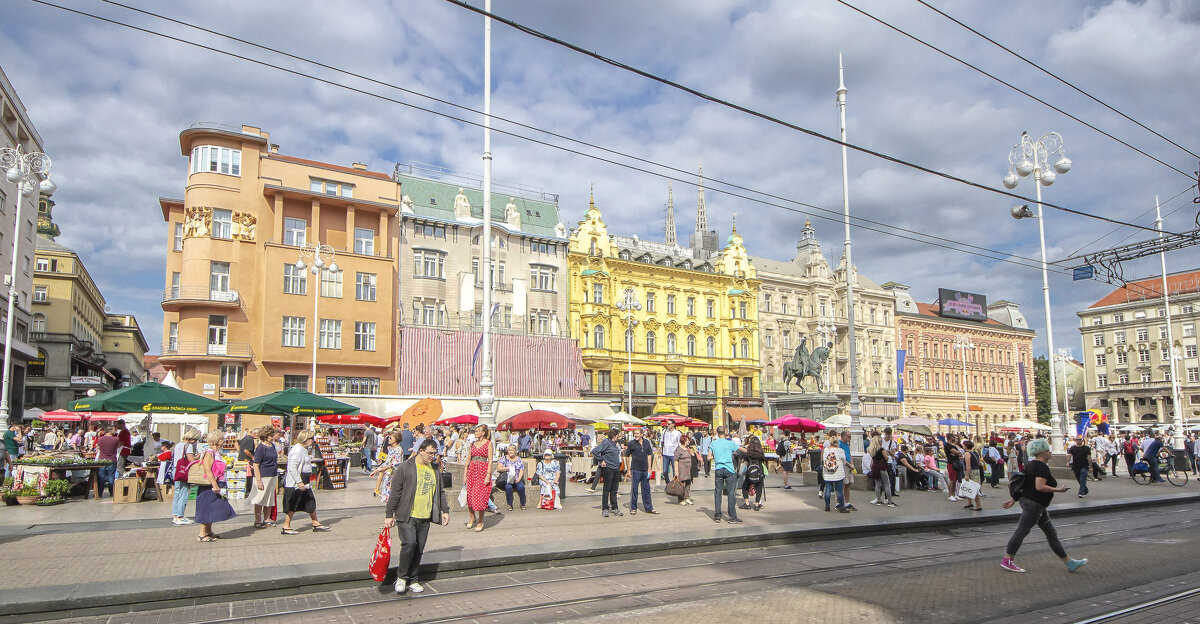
column 628, row 305
column 1032, row 157
column 963, row 343
column 828, row 329
column 26, row 170
column 318, row 256
column 1064, row 355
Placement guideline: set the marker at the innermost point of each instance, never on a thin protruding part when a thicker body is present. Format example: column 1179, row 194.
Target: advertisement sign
column 86, row 380
column 277, row 422
column 962, row 305
column 230, row 419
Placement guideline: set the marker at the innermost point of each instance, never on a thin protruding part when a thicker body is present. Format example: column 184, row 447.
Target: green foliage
column 57, row 488
column 38, row 424
column 8, row 481
column 1041, row 384
column 27, row 490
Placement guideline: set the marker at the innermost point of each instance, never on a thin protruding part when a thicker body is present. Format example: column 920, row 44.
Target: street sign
column 1084, row 272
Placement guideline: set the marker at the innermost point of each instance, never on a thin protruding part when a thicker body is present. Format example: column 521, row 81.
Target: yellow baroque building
column 689, row 345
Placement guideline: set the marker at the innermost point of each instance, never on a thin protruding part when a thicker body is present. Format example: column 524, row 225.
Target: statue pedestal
column 815, row 406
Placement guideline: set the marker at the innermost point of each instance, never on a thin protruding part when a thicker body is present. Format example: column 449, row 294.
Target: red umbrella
column 695, row 424
column 536, row 419
column 60, row 415
column 803, row 425
column 102, row 415
column 465, row 419
column 352, row 419
column 665, row 418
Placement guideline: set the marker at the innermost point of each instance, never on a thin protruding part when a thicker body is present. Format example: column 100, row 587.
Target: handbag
column 675, row 488
column 181, row 467
column 381, row 557
column 447, row 480
column 968, row 489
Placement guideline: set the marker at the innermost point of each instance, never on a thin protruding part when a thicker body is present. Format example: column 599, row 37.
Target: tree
column 1041, row 386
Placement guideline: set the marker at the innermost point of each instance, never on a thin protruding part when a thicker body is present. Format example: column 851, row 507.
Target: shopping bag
column 381, row 557
column 968, row 489
column 550, row 501
column 462, row 498
column 675, row 487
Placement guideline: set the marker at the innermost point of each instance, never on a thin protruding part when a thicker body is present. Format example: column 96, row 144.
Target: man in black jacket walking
column 608, row 457
column 415, row 501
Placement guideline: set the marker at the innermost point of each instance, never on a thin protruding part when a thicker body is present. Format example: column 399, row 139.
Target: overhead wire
column 1143, row 214
column 775, row 120
column 1001, row 256
column 1056, row 77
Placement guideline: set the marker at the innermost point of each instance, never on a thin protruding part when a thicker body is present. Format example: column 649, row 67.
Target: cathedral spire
column 701, row 213
column 670, row 226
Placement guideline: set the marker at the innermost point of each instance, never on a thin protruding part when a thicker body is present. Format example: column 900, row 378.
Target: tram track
column 626, row 592
column 1119, row 614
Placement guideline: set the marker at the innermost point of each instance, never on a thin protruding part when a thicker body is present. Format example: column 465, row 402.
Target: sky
column 109, row 103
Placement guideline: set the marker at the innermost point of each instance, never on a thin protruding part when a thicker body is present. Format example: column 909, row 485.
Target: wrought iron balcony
column 202, row 350
column 175, row 297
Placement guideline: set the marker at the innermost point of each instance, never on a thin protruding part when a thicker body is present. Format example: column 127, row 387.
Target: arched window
column 39, row 323
column 670, row 343
column 745, row 348
column 598, row 337
column 712, row 347
column 691, row 343
column 629, row 339
column 650, row 342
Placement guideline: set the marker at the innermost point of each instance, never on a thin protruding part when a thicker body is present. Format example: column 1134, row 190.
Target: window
column 603, row 381
column 1102, row 381
column 650, row 301
column 1193, row 374
column 294, row 231
column 671, row 343
column 329, row 187
column 712, row 308
column 430, row 230
column 295, row 280
column 173, row 337
column 1143, row 334
column 39, row 324
column 218, row 280
column 670, row 304
column 431, row 312
column 1098, row 340
column 597, row 293
column 768, row 341
column 1119, row 337
column 691, row 345
column 712, row 347
column 330, row 334
column 766, row 304
column 1145, row 377
column 1122, row 357
column 293, row 331
column 41, row 264
column 364, row 336
column 364, row 286
column 1186, row 308
column 214, row 159
column 783, row 305
column 218, row 334
column 364, row 241
column 222, row 224
column 691, row 306
column 748, row 386
column 429, row 263
column 700, row 385
column 1101, row 359
column 1123, row 378
column 650, row 342
column 542, row 277
column 734, row 386
column 742, row 308
column 671, row 385
column 1097, row 321
column 539, row 320
column 1117, row 318
column 352, row 385
column 629, row 341
column 1189, row 330
column 787, row 340
column 1189, row 351
column 331, row 283
column 645, row 384
column 231, row 376
column 1162, row 332
column 295, row 381
column 40, row 294
column 598, row 337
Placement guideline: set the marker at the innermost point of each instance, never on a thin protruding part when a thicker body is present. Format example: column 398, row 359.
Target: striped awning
column 589, row 411
column 738, row 414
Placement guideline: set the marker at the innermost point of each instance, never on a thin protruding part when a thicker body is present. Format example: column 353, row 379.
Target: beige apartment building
column 803, row 300
column 978, row 381
column 1127, row 352
column 241, row 315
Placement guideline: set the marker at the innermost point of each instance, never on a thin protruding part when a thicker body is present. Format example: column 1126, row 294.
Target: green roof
column 435, row 199
column 592, row 272
column 737, row 291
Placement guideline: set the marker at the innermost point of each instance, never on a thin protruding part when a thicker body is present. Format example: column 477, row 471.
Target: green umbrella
column 146, row 398
column 293, row 402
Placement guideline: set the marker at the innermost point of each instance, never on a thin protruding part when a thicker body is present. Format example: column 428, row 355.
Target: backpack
column 754, row 471
column 1016, row 485
column 1127, row 447
column 783, row 448
column 181, row 467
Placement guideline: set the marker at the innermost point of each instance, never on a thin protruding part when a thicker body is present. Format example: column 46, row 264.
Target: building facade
column 80, row 345
column 986, row 383
column 803, row 300
column 244, row 314
column 1127, row 352
column 691, row 344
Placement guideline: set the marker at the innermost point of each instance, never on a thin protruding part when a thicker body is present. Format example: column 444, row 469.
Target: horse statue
column 805, row 364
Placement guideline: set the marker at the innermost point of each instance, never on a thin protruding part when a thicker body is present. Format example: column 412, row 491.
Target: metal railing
column 200, row 293
column 199, row 348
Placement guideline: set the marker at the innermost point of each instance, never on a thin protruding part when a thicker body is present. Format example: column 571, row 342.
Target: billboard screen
column 962, row 305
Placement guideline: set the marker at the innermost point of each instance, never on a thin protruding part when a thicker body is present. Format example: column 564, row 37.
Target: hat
column 548, row 453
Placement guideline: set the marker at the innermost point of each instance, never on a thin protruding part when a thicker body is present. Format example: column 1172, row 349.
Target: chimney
column 274, row 148
column 360, row 166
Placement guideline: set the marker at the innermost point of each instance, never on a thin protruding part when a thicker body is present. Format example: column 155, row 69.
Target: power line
column 775, row 120
column 1144, row 213
column 1056, row 77
column 1001, row 257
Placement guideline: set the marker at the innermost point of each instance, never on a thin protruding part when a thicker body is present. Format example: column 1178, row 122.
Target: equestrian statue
column 805, row 364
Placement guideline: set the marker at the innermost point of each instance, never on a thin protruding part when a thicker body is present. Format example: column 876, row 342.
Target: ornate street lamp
column 628, row 305
column 318, row 257
column 964, row 344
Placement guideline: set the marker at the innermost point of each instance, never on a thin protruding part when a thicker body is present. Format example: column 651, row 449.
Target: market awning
column 739, row 414
column 589, row 411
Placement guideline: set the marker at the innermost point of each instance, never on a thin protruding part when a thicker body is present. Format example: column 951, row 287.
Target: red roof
column 314, row 163
column 1151, row 288
column 932, row 309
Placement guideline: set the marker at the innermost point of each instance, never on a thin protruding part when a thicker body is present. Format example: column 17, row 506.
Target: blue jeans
column 642, row 478
column 1154, row 474
column 1081, row 476
column 835, row 486
column 179, row 502
column 932, row 477
column 668, row 467
column 519, row 486
column 106, row 477
column 725, row 482
column 368, row 465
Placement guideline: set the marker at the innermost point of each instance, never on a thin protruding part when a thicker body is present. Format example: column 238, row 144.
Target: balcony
column 674, row 363
column 201, row 350
column 177, row 297
column 596, row 358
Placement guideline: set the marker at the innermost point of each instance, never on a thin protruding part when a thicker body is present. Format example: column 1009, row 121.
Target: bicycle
column 1167, row 470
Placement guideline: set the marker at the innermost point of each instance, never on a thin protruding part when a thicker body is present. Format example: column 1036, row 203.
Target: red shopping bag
column 382, row 557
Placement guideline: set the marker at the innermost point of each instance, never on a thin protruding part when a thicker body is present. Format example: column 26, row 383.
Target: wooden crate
column 128, row 490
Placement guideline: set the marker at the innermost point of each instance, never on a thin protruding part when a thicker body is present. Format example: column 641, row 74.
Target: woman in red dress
column 479, row 477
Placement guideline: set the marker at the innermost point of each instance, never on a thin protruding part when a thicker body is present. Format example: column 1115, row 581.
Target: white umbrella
column 1023, row 424
column 1129, row 428
column 842, row 421
column 623, row 418
column 915, row 420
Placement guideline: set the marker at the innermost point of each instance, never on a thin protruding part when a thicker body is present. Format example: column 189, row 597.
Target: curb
column 31, row 604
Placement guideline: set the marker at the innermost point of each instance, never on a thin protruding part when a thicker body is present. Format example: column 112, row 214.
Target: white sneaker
column 186, row 521
column 401, row 585
column 415, row 587
column 875, row 502
column 954, row 498
column 176, row 521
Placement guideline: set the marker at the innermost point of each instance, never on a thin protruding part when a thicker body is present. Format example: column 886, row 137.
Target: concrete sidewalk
column 85, row 562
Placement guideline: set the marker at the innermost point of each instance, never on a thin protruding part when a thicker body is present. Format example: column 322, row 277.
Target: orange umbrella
column 423, row 412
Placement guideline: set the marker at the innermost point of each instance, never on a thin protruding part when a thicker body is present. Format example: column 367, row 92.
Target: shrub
column 58, row 488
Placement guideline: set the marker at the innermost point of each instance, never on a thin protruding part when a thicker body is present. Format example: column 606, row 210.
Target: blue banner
column 900, row 355
column 1085, row 420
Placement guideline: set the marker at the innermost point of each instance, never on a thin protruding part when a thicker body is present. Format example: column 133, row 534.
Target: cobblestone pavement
column 931, row 577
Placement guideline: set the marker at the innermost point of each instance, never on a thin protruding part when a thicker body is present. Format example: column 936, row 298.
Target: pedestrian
column 186, row 451
column 511, row 469
column 406, row 442
column 370, row 442
column 383, row 472
column 246, row 453
column 994, row 460
column 971, row 463
column 265, row 468
column 1196, row 449
column 1035, row 494
column 754, row 473
column 1129, row 450
column 11, row 448
column 880, row 459
column 297, row 485
column 954, row 465
column 415, row 500
column 720, row 454
column 912, row 466
column 108, row 449
column 1081, row 460
column 126, row 446
column 688, row 466
column 479, row 476
column 835, row 465
column 784, row 448
column 670, row 442
column 211, row 506
column 608, row 454
column 639, row 451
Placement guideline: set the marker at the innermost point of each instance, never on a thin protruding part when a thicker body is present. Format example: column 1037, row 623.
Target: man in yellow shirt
column 415, row 500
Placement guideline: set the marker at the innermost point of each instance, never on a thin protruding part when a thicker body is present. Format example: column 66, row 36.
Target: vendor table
column 59, row 472
column 331, row 473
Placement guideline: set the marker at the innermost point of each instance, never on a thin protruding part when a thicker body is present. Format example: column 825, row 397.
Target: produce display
column 60, row 458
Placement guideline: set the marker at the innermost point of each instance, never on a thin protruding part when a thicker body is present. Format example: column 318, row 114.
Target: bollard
column 562, row 474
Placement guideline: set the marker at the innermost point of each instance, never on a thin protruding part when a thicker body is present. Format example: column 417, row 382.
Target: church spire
column 701, row 213
column 670, row 226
